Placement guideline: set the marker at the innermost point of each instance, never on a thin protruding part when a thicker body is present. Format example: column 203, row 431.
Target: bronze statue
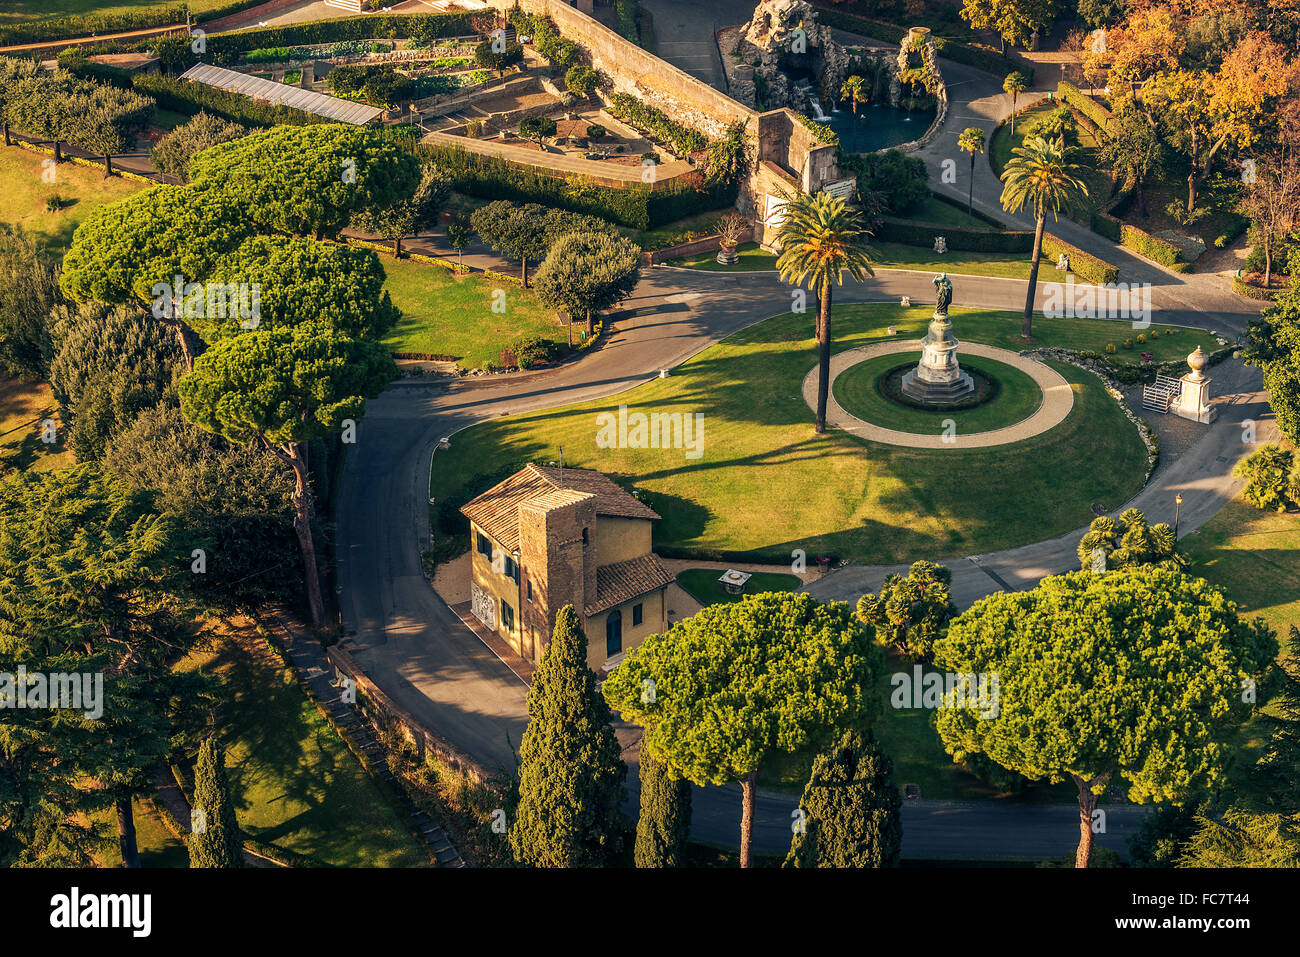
column 943, row 293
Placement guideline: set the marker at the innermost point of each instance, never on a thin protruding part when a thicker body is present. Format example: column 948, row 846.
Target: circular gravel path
column 1058, row 400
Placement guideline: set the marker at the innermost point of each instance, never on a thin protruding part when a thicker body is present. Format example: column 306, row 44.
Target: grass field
column 886, row 256
column 855, row 389
column 22, row 201
column 23, row 11
column 157, row 845
column 446, row 315
column 767, row 484
column 23, row 403
column 1099, row 185
column 702, row 584
column 294, row 781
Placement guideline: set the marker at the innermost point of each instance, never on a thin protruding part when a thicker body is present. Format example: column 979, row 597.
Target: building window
column 484, row 546
column 584, row 538
column 528, row 589
column 613, row 633
column 512, row 570
column 507, row 616
column 637, row 614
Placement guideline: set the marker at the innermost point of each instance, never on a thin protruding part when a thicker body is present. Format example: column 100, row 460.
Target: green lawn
column 887, row 256
column 22, row 201
column 767, row 484
column 702, row 584
column 23, row 403
column 294, row 781
column 1255, row 556
column 157, row 845
column 855, row 389
column 446, row 315
column 23, row 11
column 1099, row 185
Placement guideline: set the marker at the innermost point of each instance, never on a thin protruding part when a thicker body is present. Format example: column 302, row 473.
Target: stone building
column 548, row 537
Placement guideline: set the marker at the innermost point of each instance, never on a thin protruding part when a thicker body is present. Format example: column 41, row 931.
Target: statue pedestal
column 1194, row 400
column 937, row 378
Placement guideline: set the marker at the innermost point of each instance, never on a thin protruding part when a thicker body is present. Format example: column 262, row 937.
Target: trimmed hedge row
column 647, row 119
column 225, row 49
column 911, row 233
column 63, row 28
column 639, row 207
column 182, row 96
column 980, row 57
column 1084, row 265
column 914, row 233
column 1243, row 288
column 1139, row 240
column 1100, row 117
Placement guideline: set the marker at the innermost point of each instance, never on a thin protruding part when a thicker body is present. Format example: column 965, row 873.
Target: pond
column 878, row 127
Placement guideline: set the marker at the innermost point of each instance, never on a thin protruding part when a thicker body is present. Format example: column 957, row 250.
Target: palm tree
column 821, row 238
column 971, row 141
column 1041, row 174
column 855, row 91
column 1015, row 84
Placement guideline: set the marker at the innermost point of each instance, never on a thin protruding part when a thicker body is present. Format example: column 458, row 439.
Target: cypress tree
column 665, row 818
column 851, row 809
column 219, row 844
column 570, row 771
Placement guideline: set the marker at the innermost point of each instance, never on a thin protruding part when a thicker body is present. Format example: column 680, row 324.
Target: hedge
column 638, row 207
column 1243, row 288
column 184, row 96
column 981, row 57
column 1100, row 117
column 914, row 233
column 1153, row 247
column 1084, row 265
column 225, row 49
column 63, row 28
column 647, row 119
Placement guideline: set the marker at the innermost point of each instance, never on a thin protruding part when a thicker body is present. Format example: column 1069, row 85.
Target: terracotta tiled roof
column 624, row 581
column 496, row 511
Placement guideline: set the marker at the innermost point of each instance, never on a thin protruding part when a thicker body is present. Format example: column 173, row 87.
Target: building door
column 613, row 633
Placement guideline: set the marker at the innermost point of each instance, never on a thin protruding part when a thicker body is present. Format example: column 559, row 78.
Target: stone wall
column 633, row 70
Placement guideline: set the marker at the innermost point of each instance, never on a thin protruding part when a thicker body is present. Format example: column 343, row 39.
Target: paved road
column 413, row 646
column 684, row 32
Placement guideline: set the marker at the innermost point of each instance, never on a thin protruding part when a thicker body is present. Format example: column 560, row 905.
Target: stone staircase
column 309, row 660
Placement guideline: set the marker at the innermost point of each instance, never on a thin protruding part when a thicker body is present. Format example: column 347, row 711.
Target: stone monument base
column 937, row 393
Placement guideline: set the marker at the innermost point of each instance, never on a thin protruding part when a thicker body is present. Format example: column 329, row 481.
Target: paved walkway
column 1058, row 400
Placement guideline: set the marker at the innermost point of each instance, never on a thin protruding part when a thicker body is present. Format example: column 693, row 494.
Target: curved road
column 412, row 645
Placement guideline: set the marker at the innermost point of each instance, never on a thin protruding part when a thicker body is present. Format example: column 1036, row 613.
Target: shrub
column 1271, row 478
column 894, row 178
column 1128, row 343
column 1110, row 348
column 647, row 119
column 532, row 350
column 172, row 153
column 57, row 28
column 1094, row 111
column 1084, row 265
column 96, row 117
column 489, row 58
column 1141, row 338
column 581, row 80
column 595, row 131
column 225, row 49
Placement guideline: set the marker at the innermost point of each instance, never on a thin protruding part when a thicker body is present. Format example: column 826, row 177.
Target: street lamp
column 1178, row 507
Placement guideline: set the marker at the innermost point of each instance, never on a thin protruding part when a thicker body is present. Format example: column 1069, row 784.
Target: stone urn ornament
column 730, row 230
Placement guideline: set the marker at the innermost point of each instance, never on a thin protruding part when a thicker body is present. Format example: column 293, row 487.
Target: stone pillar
column 1194, row 398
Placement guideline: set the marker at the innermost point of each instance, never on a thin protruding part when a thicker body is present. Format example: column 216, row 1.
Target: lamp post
column 1178, row 507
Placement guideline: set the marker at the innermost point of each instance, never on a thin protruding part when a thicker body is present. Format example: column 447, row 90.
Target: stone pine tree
column 1138, row 673
column 665, row 820
column 570, row 771
column 215, row 840
column 851, row 809
column 739, row 683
